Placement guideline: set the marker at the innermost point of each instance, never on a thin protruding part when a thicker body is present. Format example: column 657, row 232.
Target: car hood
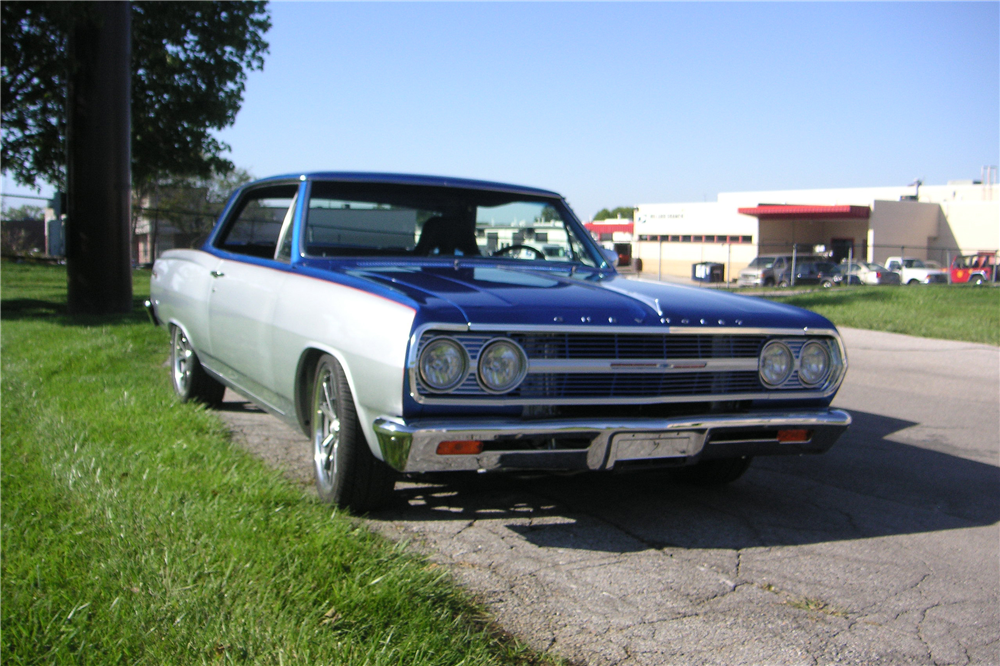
column 498, row 294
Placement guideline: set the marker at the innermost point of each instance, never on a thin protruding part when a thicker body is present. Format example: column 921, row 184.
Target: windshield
column 351, row 220
column 762, row 262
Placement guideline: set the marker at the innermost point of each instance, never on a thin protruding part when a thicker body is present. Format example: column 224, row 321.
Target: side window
column 258, row 221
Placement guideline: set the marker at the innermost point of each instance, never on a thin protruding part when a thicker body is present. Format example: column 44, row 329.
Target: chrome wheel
column 347, row 473
column 182, row 357
column 325, row 427
column 189, row 378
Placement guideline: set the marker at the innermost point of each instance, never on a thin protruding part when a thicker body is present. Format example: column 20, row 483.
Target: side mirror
column 610, row 256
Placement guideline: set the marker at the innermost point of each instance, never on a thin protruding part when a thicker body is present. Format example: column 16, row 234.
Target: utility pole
column 98, row 160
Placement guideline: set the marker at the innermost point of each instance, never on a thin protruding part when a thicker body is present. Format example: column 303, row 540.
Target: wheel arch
column 172, row 323
column 304, row 375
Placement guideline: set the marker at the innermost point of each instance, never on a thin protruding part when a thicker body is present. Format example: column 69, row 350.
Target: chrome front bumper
column 602, row 444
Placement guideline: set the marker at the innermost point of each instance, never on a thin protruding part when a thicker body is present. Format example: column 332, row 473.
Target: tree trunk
column 98, row 164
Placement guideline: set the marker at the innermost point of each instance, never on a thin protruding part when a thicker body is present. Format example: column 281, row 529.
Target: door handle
column 216, row 274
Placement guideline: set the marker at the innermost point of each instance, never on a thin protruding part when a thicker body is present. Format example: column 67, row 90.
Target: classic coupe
column 413, row 324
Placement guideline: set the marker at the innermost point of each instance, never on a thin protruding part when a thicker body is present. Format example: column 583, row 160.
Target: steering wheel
column 517, row 252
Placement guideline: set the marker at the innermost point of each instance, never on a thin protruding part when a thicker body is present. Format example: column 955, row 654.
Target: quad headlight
column 776, row 363
column 502, row 366
column 443, row 364
column 814, row 363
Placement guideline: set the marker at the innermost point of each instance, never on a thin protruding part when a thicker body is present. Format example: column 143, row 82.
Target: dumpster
column 707, row 271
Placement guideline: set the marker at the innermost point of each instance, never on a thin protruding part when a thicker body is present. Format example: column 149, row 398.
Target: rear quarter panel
column 179, row 289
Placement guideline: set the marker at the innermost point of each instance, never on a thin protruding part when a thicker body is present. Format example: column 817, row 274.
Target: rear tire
column 913, row 282
column 976, row 279
column 347, row 473
column 712, row 472
column 190, row 381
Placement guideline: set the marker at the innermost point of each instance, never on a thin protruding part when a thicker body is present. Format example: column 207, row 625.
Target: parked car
column 868, row 272
column 916, row 271
column 974, row 268
column 824, row 273
column 765, row 269
column 364, row 310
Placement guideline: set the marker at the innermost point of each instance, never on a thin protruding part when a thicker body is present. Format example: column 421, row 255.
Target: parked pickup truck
column 915, row 271
column 974, row 268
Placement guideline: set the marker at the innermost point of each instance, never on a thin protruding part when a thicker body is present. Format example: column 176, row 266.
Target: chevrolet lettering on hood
column 416, row 324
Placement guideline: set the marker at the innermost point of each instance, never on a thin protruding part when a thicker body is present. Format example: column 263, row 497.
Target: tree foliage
column 190, row 205
column 189, row 65
column 25, row 212
column 621, row 211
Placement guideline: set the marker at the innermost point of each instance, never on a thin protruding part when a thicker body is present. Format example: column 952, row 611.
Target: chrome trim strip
column 473, row 401
column 658, row 366
column 412, row 447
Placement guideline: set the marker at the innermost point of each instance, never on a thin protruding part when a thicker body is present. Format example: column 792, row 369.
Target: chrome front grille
column 597, row 367
column 629, row 385
column 622, row 347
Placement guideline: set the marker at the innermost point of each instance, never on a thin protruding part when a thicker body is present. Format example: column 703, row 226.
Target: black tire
column 976, row 279
column 784, row 284
column 712, row 472
column 189, row 379
column 827, row 284
column 913, row 283
column 347, row 473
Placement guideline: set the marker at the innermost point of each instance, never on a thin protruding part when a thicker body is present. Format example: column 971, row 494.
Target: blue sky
column 620, row 103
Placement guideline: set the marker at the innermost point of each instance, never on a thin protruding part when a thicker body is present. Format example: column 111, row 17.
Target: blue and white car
column 414, row 324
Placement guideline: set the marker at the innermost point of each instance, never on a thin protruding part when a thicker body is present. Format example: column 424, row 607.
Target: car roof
column 411, row 179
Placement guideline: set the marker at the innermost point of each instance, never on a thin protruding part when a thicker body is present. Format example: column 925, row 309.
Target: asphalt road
column 885, row 550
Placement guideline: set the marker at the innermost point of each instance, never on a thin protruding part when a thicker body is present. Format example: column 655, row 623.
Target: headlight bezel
column 761, row 360
column 827, row 369
column 522, row 360
column 460, row 376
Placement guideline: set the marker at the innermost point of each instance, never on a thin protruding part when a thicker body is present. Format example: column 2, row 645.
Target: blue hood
column 498, row 294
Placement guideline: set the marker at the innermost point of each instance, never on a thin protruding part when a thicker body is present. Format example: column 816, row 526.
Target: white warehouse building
column 929, row 222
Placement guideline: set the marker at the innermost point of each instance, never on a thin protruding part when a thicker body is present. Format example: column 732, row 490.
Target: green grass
column 134, row 532
column 951, row 312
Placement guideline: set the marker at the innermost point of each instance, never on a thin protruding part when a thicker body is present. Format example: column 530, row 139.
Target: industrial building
column 925, row 221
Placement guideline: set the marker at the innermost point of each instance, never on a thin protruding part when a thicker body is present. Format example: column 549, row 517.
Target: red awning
column 602, row 227
column 785, row 212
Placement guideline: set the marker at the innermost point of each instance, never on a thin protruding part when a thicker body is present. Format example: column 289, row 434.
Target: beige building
column 930, row 222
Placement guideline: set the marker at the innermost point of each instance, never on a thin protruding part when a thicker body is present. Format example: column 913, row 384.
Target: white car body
column 914, row 271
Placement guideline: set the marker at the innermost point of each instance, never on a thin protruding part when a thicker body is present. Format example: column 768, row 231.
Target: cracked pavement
column 885, row 550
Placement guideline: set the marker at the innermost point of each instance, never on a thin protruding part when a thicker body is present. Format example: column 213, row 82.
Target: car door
column 245, row 290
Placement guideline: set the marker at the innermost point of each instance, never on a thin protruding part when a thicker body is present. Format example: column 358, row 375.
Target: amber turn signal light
column 794, row 436
column 460, row 447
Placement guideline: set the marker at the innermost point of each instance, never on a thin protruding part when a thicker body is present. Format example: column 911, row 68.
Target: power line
column 25, row 196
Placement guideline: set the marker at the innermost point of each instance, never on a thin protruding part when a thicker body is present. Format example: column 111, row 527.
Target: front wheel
column 712, row 472
column 914, row 282
column 191, row 382
column 347, row 473
column 976, row 279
